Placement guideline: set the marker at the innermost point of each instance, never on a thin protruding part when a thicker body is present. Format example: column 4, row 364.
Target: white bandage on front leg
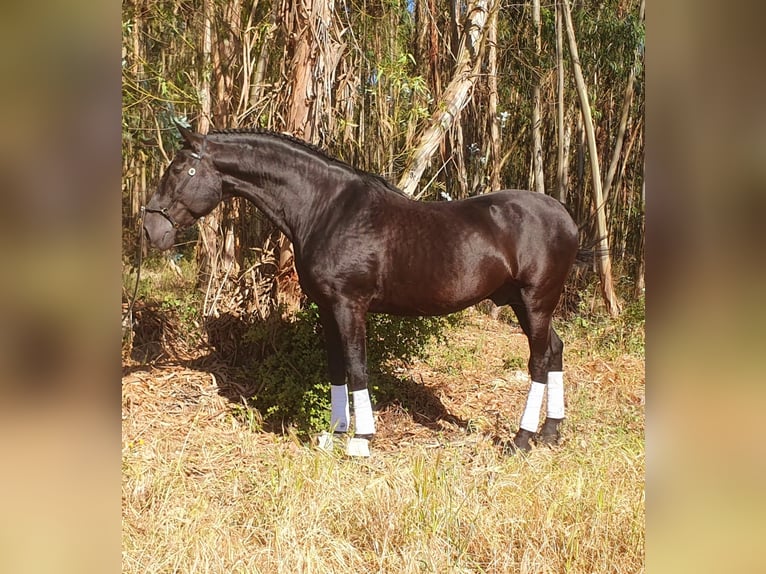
column 531, row 417
column 555, row 408
column 339, row 416
column 364, row 423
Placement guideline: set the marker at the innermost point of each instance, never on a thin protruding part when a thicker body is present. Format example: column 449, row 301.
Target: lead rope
column 129, row 313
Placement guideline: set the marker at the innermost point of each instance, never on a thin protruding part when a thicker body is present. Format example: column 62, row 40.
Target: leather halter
column 164, row 212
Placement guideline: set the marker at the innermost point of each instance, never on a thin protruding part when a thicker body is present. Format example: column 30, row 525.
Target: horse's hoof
column 520, row 443
column 507, row 447
column 358, row 447
column 549, row 435
column 550, row 439
column 328, row 441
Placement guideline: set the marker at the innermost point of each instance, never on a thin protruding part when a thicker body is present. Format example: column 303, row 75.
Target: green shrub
column 288, row 363
column 623, row 334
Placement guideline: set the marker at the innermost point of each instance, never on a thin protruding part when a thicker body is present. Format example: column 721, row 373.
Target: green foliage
column 288, row 367
column 186, row 307
column 288, row 363
column 595, row 330
column 454, row 359
column 161, row 283
column 516, row 363
column 403, row 338
column 171, row 287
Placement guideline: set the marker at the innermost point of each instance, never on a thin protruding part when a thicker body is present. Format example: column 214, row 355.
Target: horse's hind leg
column 549, row 433
column 545, row 354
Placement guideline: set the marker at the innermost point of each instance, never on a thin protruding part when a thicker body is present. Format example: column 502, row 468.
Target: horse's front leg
column 350, row 319
column 339, row 407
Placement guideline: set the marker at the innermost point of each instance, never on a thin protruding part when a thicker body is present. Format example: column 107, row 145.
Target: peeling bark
column 455, row 95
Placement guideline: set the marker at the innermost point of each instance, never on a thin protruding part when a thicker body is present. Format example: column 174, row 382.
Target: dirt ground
column 475, row 382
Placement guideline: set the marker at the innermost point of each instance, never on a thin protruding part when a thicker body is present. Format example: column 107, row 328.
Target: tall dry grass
column 205, row 491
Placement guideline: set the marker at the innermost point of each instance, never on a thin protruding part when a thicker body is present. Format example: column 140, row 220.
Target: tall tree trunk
column 537, row 137
column 301, row 88
column 138, row 160
column 228, row 46
column 256, row 86
column 581, row 145
column 603, row 256
column 455, row 95
column 561, row 162
column 208, row 245
column 564, row 181
column 427, row 43
column 203, row 125
column 316, row 53
column 456, row 16
column 298, row 121
column 626, row 105
column 640, row 285
column 494, row 122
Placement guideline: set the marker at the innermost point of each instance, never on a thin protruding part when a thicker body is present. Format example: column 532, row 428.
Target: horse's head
column 190, row 188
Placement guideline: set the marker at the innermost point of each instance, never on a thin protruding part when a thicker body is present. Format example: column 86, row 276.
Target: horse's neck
column 280, row 183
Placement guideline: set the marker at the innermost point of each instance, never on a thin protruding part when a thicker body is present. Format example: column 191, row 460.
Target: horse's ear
column 194, row 140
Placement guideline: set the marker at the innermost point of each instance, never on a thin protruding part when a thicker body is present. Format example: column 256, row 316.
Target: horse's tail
column 587, row 254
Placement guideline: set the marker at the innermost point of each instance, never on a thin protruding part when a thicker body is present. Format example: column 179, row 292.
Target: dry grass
column 205, row 491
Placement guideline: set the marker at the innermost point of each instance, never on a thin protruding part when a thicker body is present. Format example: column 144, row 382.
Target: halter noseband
column 164, row 212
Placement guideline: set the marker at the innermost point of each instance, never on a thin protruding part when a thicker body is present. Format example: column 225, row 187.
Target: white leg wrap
column 531, row 417
column 339, row 416
column 364, row 423
column 556, row 395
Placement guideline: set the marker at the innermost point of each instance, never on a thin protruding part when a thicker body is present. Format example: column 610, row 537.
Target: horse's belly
column 423, row 293
column 421, row 307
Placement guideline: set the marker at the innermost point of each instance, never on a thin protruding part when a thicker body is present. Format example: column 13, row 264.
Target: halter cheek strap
column 164, row 213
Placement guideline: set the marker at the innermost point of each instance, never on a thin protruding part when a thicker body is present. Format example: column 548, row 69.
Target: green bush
column 623, row 334
column 288, row 363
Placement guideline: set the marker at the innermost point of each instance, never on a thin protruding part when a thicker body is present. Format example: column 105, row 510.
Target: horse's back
column 520, row 222
column 438, row 257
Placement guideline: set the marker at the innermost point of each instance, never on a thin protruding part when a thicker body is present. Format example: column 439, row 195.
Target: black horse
column 361, row 246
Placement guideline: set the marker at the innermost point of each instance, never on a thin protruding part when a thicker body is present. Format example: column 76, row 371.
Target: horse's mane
column 375, row 178
column 279, row 135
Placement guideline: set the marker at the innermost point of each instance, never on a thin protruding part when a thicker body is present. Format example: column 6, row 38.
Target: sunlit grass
column 203, row 492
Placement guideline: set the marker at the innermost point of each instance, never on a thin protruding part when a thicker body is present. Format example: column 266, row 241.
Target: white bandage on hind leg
column 364, row 423
column 340, row 415
column 531, row 417
column 555, row 408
